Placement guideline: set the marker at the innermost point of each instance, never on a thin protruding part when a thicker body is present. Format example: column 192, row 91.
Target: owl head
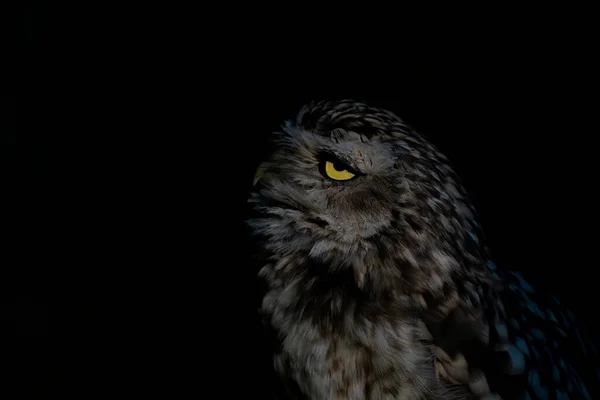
column 351, row 186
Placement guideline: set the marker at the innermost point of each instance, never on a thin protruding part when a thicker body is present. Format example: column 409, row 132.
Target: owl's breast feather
column 334, row 344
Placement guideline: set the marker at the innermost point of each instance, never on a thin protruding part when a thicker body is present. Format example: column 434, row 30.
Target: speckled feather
column 381, row 287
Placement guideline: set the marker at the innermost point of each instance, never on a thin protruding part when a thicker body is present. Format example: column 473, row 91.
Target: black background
column 133, row 137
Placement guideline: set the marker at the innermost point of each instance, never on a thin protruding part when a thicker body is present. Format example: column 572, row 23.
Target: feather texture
column 381, row 286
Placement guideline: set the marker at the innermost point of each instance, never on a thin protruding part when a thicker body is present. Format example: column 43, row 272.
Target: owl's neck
column 328, row 293
column 361, row 285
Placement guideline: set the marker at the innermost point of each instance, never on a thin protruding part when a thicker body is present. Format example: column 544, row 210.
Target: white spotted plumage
column 381, row 286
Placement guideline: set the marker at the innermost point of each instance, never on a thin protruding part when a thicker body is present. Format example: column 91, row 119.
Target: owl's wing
column 528, row 346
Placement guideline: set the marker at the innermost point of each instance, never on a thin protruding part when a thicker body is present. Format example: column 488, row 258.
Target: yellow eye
column 337, row 172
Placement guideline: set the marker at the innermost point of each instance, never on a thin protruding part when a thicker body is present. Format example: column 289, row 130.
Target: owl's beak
column 260, row 171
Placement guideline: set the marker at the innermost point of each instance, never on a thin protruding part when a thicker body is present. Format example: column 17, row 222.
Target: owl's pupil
column 338, row 166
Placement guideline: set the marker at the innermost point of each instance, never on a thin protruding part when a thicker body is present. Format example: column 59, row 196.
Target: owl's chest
column 360, row 359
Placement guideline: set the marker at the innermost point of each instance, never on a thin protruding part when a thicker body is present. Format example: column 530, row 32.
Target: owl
column 377, row 280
